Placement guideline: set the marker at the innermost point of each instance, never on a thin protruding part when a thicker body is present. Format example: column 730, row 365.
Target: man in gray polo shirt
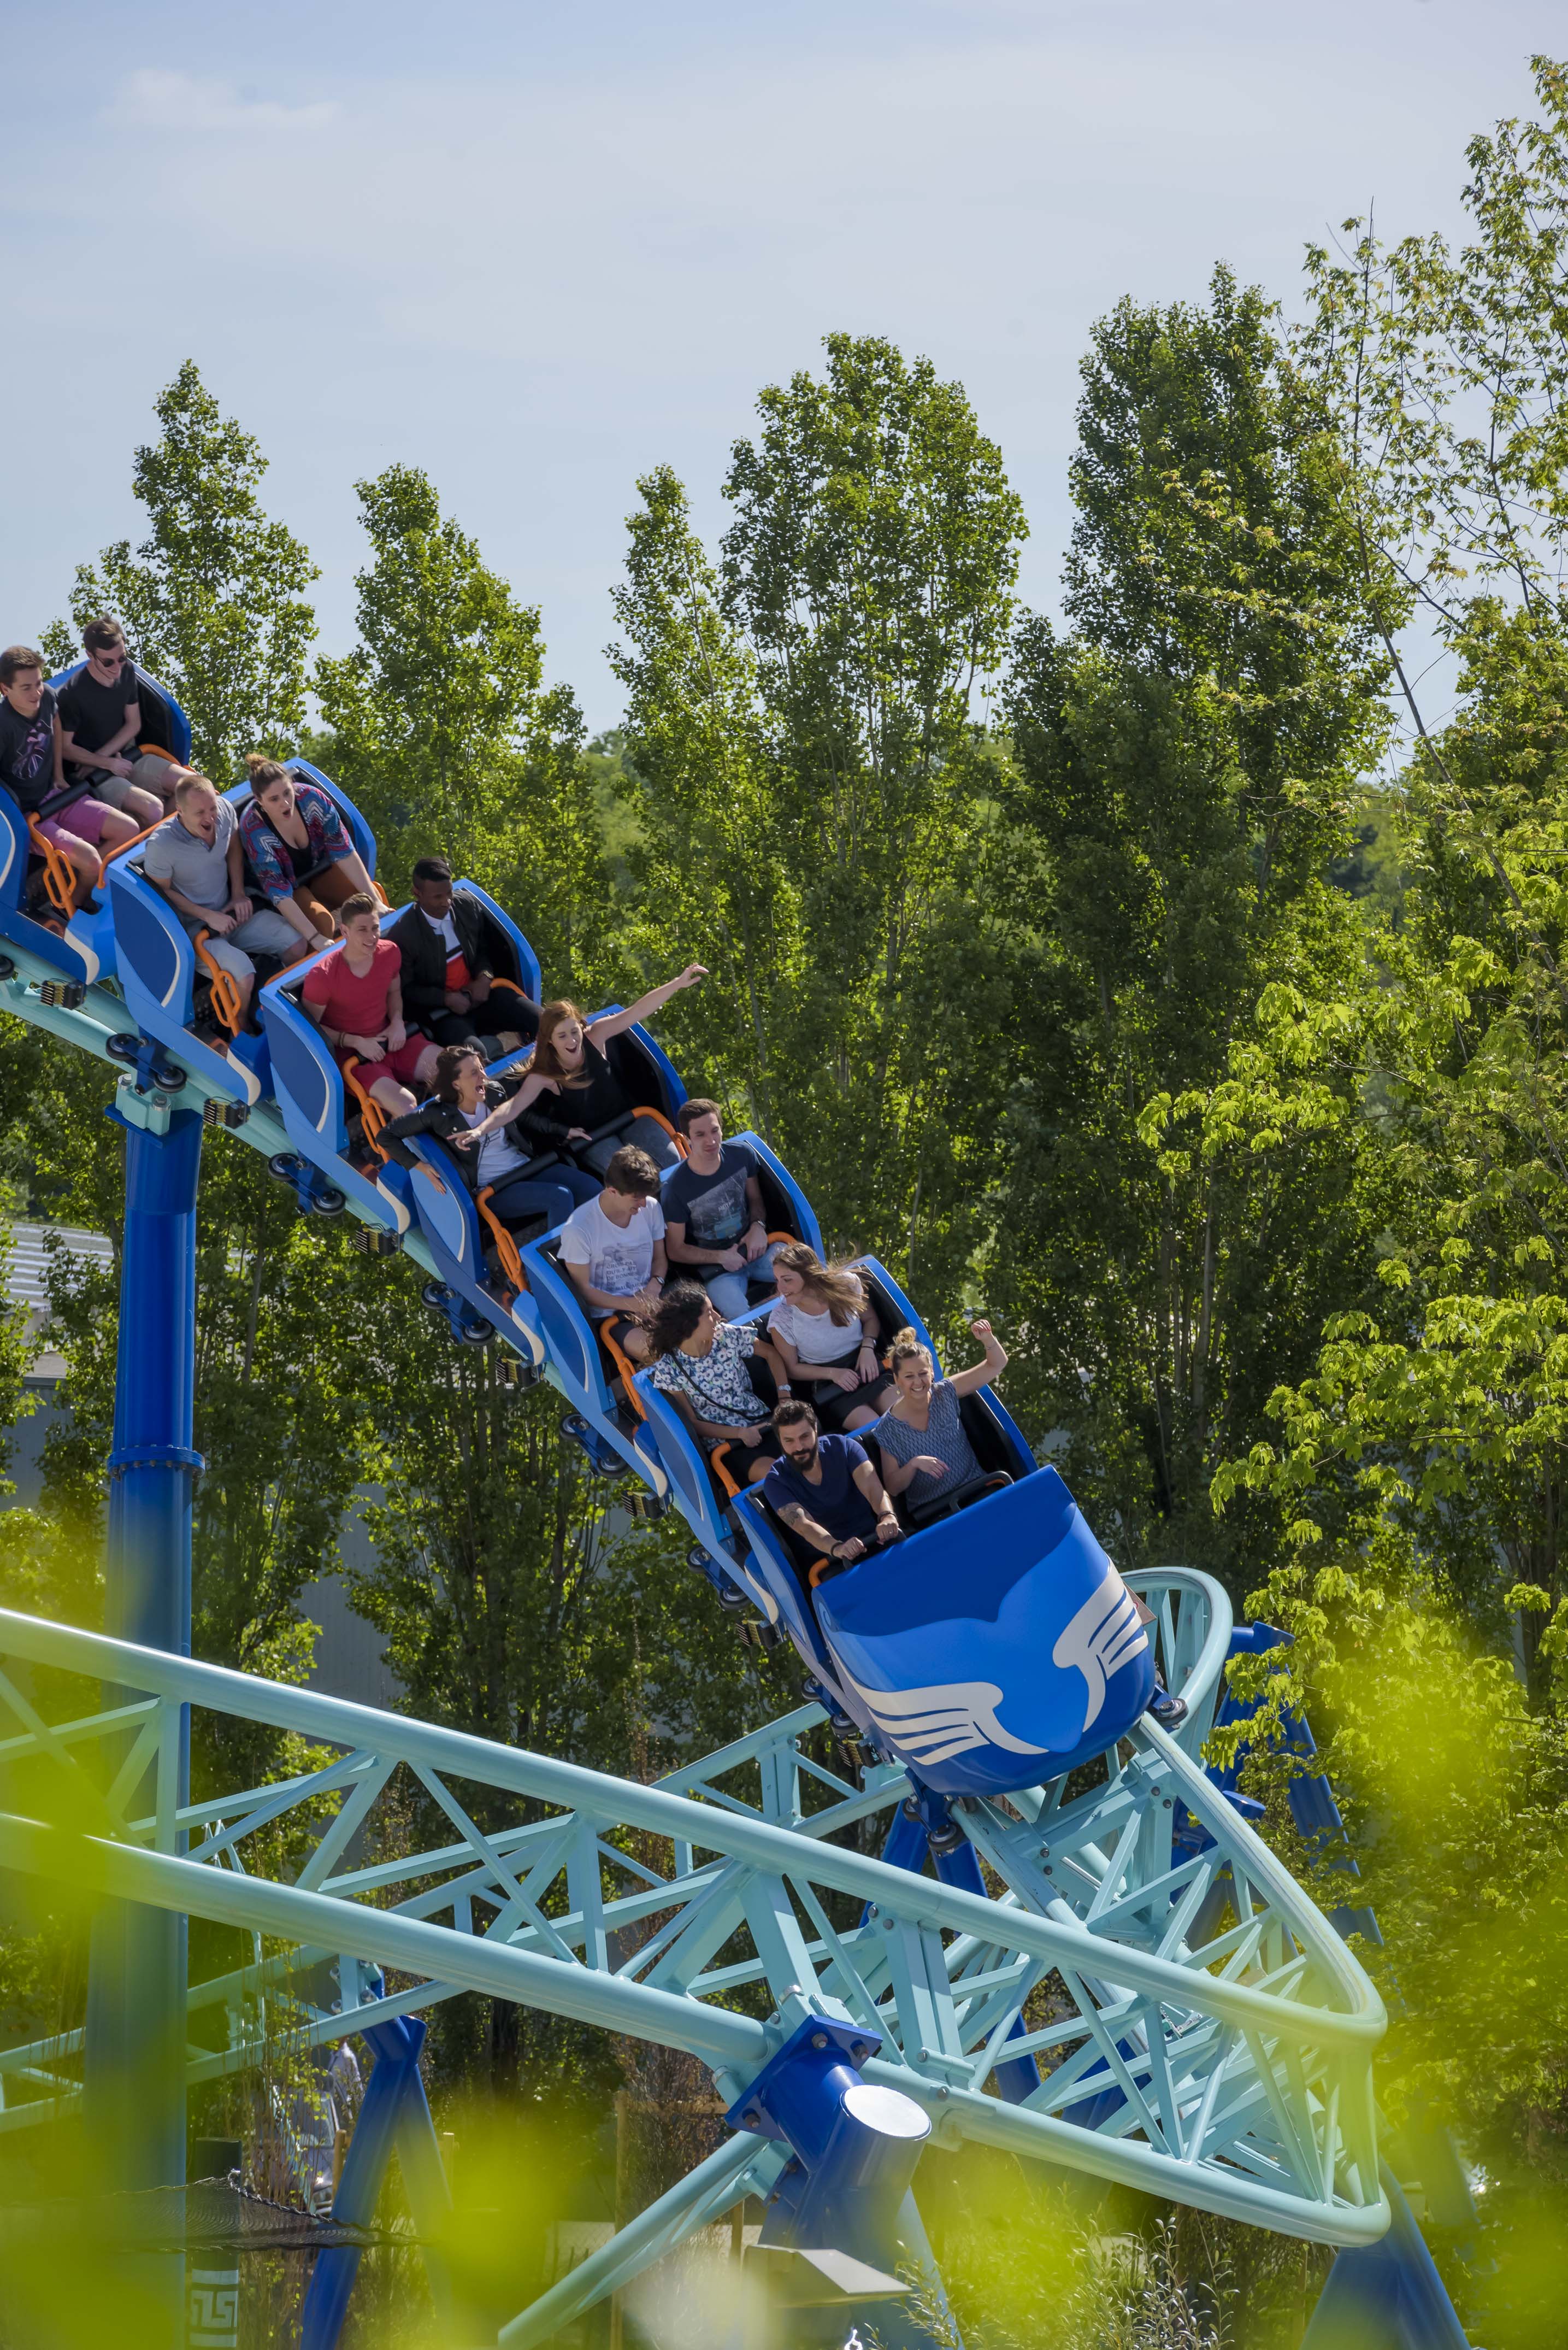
column 194, row 858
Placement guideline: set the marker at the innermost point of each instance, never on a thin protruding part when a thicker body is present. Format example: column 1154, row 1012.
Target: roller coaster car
column 52, row 940
column 47, row 938
column 707, row 1482
column 991, row 1651
column 331, row 1119
column 621, row 1412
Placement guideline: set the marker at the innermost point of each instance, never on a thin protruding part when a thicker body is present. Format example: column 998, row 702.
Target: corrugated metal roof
column 31, row 1260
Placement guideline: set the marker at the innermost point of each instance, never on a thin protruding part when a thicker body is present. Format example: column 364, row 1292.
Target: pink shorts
column 400, row 1065
column 83, row 820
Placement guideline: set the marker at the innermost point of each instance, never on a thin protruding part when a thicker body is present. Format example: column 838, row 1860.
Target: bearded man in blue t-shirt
column 825, row 1490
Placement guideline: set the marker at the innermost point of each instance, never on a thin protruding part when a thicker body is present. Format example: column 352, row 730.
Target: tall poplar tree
column 214, row 601
column 444, row 732
column 802, row 722
column 1185, row 768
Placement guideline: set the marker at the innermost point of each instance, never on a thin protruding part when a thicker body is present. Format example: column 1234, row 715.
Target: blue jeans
column 642, row 1134
column 552, row 1196
column 729, row 1290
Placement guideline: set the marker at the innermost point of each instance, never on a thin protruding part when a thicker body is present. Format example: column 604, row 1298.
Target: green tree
column 444, row 732
column 214, row 599
column 1186, row 765
column 800, row 728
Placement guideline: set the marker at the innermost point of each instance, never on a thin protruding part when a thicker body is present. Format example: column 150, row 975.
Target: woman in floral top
column 303, row 861
column 706, row 1366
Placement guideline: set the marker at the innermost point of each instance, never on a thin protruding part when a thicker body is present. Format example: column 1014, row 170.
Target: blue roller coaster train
column 1211, row 2034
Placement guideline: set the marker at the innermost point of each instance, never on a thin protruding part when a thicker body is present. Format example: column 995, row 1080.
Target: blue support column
column 394, row 2113
column 135, row 2053
column 1386, row 2296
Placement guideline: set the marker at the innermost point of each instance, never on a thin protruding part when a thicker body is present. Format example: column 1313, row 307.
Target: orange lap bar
column 59, row 873
column 372, row 1116
column 228, row 1000
column 625, row 1368
column 505, row 1242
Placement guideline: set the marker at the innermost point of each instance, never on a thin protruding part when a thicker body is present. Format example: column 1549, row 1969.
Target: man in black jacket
column 448, row 972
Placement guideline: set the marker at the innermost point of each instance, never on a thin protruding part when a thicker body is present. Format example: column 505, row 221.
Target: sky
column 537, row 250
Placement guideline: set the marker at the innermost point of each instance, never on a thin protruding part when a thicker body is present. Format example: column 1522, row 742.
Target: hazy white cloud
column 158, row 99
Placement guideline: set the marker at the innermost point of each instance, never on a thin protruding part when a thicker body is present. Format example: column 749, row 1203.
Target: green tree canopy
column 214, row 599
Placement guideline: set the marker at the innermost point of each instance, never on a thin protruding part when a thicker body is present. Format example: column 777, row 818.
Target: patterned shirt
column 715, row 1385
column 275, row 863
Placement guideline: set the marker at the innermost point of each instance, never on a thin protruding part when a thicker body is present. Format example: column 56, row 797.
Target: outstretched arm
column 612, row 1024
column 505, row 1112
column 979, row 1375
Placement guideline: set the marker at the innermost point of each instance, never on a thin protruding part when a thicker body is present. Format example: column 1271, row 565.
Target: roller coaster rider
column 32, row 770
column 715, row 1228
column 613, row 1250
column 463, row 1094
column 304, row 863
column 355, row 996
column 101, row 723
column 724, row 1376
column 194, row 858
column 579, row 1103
column 448, row 974
column 826, row 1329
column 825, row 1490
column 920, row 1439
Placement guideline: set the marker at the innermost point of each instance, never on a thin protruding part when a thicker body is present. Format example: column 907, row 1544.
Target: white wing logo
column 932, row 1725
column 1103, row 1636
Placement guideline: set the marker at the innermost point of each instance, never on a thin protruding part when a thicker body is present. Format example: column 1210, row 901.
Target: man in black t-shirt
column 713, row 1220
column 100, row 713
column 30, row 770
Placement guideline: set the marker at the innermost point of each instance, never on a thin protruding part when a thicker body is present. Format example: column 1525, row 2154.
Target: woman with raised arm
column 464, row 1092
column 571, row 1094
column 824, row 1329
column 921, row 1436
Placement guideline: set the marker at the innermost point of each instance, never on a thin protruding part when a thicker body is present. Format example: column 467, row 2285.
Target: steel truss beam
column 1202, row 2032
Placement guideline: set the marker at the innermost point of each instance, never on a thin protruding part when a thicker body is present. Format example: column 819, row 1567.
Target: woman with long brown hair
column 824, row 1328
column 300, row 851
column 571, row 1093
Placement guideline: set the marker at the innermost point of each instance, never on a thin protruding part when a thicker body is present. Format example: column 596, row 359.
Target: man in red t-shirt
column 355, row 996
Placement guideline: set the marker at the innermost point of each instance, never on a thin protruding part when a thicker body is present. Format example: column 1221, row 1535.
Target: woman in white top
column 826, row 1329
column 464, row 1094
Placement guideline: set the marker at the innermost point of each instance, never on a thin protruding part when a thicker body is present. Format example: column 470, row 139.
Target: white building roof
column 35, row 1250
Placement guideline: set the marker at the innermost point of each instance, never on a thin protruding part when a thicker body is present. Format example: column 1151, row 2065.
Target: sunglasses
column 112, row 658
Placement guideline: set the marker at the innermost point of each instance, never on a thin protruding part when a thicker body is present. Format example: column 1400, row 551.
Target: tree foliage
column 801, row 727
column 1185, row 765
column 442, row 730
column 214, row 599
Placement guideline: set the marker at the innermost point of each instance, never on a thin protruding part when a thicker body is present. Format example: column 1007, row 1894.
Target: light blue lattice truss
column 1201, row 2032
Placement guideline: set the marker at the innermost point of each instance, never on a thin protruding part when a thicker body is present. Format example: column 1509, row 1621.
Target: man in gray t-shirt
column 194, row 858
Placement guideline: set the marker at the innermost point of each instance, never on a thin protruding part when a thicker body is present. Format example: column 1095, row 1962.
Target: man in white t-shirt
column 613, row 1250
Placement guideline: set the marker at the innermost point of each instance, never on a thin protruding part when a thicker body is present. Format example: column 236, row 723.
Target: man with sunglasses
column 100, row 717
